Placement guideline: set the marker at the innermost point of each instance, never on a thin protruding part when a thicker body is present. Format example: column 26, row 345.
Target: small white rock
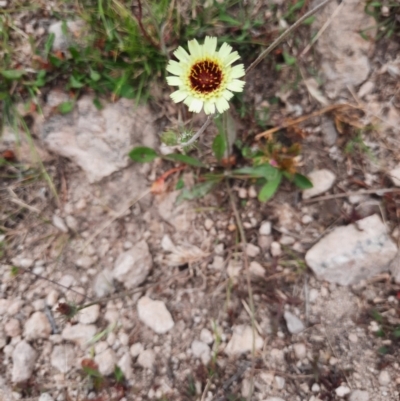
column 37, row 326
column 276, row 249
column 294, row 324
column 242, row 341
column 103, row 283
column 45, row 397
column 342, row 391
column 300, row 351
column 89, row 315
column 322, row 181
column 12, row 328
column 395, row 175
column 79, row 333
column 265, row 228
column 242, row 193
column 286, row 240
column 201, row 350
column 252, row 250
column 306, row 219
column 125, row 364
column 63, row 357
column 24, row 358
column 256, row 269
column 208, row 224
column 315, row 388
column 155, row 315
column 136, row 349
column 58, row 223
column 147, row 359
column 206, row 336
column 280, row 382
column 384, row 378
column 106, row 362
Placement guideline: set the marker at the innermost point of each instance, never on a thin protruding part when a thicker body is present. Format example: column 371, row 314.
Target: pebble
column 315, row 388
column 89, row 315
column 256, row 269
column 300, row 351
column 252, row 250
column 342, row 391
column 395, row 175
column 350, row 254
column 25, row 263
column 359, row 395
column 206, row 336
column 23, row 358
column 4, row 305
column 242, row 193
column 155, row 315
column 252, row 192
column 384, row 378
column 85, row 262
column 12, row 328
column 133, row 266
column 106, row 361
column 79, row 333
column 201, row 350
column 274, row 399
column 37, row 326
column 63, row 357
column 58, row 223
column 294, row 324
column 103, row 283
column 52, row 298
column 265, row 228
column 306, row 219
column 72, row 223
column 136, row 349
column 313, row 295
column 280, row 382
column 286, row 240
column 45, row 397
column 276, row 249
column 146, row 359
column 353, row 338
column 322, row 181
column 125, row 364
column 208, row 224
column 242, row 341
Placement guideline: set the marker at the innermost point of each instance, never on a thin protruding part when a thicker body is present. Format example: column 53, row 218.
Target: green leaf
column 97, row 103
column 191, row 161
column 219, row 147
column 309, row 20
column 75, row 83
column 65, row 107
column 55, row 61
column 302, row 181
column 127, row 91
column 262, row 171
column 49, row 44
column 180, row 184
column 74, row 53
column 118, row 374
column 197, row 191
column 94, row 75
column 396, row 332
column 289, row 60
column 12, row 74
column 40, row 78
column 269, row 189
column 142, row 154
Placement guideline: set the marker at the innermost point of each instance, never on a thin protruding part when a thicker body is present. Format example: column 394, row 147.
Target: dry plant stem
column 322, row 30
column 250, row 291
column 299, row 120
column 124, row 294
column 142, row 29
column 282, row 37
column 208, row 384
column 377, row 191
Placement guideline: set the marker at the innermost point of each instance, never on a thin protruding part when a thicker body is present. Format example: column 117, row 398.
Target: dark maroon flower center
column 205, row 76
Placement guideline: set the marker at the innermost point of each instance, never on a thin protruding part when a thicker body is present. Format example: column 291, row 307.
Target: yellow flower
column 205, row 77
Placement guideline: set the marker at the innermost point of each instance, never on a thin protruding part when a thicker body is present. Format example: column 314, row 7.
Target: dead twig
column 377, row 191
column 299, row 120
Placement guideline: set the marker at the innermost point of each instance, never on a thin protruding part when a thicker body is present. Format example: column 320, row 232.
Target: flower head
column 205, row 76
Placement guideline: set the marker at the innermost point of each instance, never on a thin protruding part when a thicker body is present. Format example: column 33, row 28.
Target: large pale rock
column 322, row 180
column 106, row 361
column 353, row 253
column 242, row 341
column 63, row 357
column 344, row 52
column 133, row 266
column 37, row 326
column 24, row 358
column 65, row 38
column 293, row 323
column 99, row 140
column 395, row 175
column 79, row 333
column 155, row 315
